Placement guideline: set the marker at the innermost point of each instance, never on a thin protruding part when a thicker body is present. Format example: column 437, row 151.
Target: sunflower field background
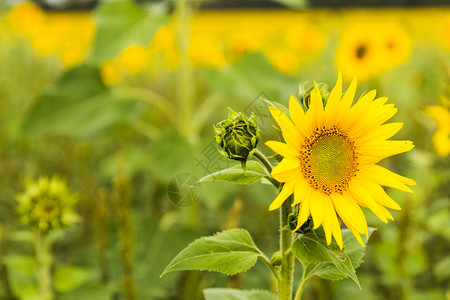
column 116, row 104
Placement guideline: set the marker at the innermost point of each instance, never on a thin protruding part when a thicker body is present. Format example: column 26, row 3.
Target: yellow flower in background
column 26, row 18
column 47, row 204
column 330, row 158
column 67, row 34
column 370, row 49
column 396, row 43
column 360, row 53
column 110, row 72
column 444, row 33
column 206, row 50
column 133, row 59
column 441, row 138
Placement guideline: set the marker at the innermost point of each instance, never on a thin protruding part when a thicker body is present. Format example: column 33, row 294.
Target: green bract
column 238, row 136
column 47, row 204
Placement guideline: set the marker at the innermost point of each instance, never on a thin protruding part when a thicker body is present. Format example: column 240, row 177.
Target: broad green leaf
column 235, row 174
column 233, row 294
column 22, row 276
column 78, row 104
column 119, row 24
column 354, row 251
column 69, row 278
column 230, row 252
column 314, row 250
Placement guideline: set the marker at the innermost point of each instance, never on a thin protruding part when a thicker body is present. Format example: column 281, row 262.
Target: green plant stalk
column 122, row 199
column 287, row 259
column 185, row 86
column 43, row 259
column 298, row 294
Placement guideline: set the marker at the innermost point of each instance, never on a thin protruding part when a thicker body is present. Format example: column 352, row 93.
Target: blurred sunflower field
column 105, row 113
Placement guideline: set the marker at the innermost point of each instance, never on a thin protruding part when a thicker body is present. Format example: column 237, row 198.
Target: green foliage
column 233, row 294
column 121, row 23
column 230, row 252
column 78, row 104
column 329, row 262
column 254, row 172
column 22, row 275
column 69, row 278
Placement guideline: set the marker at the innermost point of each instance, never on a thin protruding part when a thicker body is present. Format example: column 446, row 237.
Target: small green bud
column 238, row 136
column 305, row 90
column 276, row 259
column 47, row 204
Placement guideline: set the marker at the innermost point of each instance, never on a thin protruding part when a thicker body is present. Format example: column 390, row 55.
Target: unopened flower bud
column 237, row 136
column 305, row 90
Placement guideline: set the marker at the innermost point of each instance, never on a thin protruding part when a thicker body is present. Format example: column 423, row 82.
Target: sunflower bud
column 47, row 204
column 305, row 90
column 237, row 136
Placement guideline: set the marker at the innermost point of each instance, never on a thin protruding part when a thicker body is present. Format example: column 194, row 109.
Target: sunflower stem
column 43, row 259
column 287, row 259
column 263, row 159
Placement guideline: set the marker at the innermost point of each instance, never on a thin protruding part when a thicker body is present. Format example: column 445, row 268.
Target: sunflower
column 441, row 114
column 329, row 160
column 360, row 53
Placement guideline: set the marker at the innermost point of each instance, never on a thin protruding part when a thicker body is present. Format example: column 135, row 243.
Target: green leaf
column 122, row 23
column 69, row 278
column 280, row 106
column 314, row 250
column 233, row 294
column 230, row 252
column 254, row 172
column 78, row 104
column 354, row 251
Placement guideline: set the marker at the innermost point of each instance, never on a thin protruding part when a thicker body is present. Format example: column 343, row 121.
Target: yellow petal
column 300, row 190
column 364, row 198
column 384, row 149
column 304, row 212
column 317, row 208
column 289, row 131
column 357, row 111
column 286, row 164
column 356, row 234
column 315, row 111
column 384, row 177
column 382, row 132
column 298, row 117
column 287, row 190
column 333, row 101
column 282, row 149
column 350, row 212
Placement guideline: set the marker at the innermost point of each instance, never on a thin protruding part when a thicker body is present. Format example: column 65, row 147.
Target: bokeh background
column 121, row 96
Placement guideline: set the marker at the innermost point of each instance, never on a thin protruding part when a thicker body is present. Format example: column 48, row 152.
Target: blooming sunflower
column 329, row 160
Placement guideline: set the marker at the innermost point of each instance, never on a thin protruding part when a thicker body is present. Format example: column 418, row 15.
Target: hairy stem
column 267, row 262
column 287, row 259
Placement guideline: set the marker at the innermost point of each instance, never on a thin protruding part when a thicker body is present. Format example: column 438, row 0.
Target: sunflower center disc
column 328, row 160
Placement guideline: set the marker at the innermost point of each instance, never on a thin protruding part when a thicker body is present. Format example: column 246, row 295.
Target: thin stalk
column 287, row 259
column 185, row 85
column 267, row 262
column 43, row 260
column 263, row 159
column 298, row 294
